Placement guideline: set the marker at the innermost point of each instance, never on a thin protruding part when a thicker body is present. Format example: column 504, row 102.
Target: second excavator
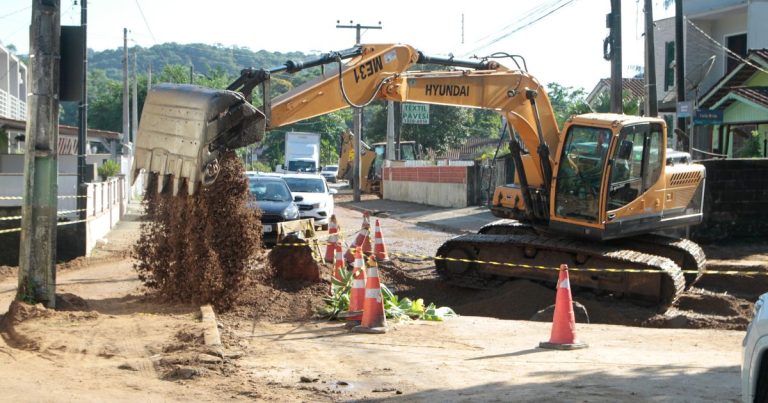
column 590, row 195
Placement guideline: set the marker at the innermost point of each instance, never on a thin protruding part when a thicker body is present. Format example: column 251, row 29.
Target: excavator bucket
column 185, row 127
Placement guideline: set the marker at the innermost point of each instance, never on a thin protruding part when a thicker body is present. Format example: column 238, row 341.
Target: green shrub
column 108, row 169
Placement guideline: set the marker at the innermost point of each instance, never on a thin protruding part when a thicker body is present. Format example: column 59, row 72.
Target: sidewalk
column 454, row 220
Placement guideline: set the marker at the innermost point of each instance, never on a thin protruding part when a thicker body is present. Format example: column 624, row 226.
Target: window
column 636, row 164
column 738, row 45
column 580, row 172
column 669, row 69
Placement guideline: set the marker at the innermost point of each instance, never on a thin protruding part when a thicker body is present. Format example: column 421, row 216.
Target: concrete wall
column 444, row 186
column 735, row 200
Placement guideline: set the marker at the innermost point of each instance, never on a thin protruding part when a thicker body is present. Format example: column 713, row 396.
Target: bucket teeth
column 175, row 185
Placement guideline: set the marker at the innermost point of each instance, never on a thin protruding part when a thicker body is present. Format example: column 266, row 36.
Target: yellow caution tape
column 573, row 269
column 60, row 197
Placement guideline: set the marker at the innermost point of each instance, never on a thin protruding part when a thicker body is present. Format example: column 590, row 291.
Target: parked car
column 317, row 197
column 754, row 365
column 273, row 197
column 329, row 172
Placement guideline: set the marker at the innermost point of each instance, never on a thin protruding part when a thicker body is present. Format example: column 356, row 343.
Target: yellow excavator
column 371, row 161
column 591, row 195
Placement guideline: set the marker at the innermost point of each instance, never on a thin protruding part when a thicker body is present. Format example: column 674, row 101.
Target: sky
column 561, row 40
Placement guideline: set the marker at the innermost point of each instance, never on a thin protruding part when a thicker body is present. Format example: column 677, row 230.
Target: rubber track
column 477, row 279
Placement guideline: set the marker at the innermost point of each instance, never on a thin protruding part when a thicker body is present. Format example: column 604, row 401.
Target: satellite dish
column 699, row 73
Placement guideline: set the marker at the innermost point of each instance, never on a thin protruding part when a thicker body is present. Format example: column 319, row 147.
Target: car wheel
column 761, row 389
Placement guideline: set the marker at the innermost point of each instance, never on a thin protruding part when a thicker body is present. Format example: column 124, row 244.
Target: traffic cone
column 339, row 265
column 333, row 237
column 374, row 320
column 349, row 256
column 364, row 235
column 563, row 335
column 357, row 295
column 379, row 249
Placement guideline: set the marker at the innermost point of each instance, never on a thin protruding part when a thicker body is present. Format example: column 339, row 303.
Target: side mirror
column 625, row 150
column 333, row 191
column 298, row 198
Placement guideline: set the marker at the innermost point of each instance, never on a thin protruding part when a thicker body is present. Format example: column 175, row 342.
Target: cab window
column 635, row 163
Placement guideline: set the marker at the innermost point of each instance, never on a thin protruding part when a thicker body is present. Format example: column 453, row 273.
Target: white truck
column 302, row 152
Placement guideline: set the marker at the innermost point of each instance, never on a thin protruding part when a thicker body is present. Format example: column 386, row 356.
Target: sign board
column 684, row 109
column 708, row 117
column 417, row 114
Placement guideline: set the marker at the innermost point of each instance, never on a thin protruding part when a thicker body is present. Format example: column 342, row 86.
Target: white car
column 317, row 197
column 329, row 172
column 754, row 365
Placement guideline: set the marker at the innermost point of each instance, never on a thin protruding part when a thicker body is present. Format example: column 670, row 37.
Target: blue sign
column 684, row 109
column 708, row 117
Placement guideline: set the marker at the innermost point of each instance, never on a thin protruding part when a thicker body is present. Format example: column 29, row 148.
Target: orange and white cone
column 374, row 320
column 379, row 249
column 357, row 294
column 563, row 335
column 339, row 265
column 364, row 235
column 333, row 237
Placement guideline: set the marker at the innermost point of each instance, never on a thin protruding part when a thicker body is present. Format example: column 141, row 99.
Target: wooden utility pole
column 37, row 249
column 614, row 23
column 357, row 120
column 651, row 99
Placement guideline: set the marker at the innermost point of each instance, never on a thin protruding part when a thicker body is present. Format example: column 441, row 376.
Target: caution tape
column 60, row 197
column 60, row 212
column 537, row 267
column 58, row 224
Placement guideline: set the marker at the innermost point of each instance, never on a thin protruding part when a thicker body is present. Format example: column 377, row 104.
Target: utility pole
column 357, row 120
column 614, row 23
column 685, row 142
column 37, row 247
column 651, row 101
column 82, row 132
column 134, row 103
column 126, row 118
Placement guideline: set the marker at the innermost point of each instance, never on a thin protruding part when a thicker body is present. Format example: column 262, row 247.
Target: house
column 718, row 35
column 632, row 88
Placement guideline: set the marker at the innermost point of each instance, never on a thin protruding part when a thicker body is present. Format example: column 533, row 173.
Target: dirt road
column 109, row 341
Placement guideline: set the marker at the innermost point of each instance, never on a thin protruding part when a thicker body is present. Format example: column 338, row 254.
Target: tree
column 567, row 101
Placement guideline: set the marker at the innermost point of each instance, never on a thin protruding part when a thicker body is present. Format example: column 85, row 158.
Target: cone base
column 351, row 324
column 565, row 346
column 370, row 330
column 350, row 315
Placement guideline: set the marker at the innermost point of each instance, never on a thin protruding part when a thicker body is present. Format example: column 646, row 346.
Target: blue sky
column 564, row 46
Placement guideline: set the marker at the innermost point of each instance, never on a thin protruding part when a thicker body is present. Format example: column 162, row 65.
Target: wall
column 444, row 186
column 735, row 200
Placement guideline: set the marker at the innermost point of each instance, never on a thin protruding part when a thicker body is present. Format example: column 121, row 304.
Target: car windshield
column 306, row 185
column 331, row 168
column 270, row 190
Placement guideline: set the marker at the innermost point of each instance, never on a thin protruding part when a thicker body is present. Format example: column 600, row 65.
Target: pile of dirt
column 198, row 248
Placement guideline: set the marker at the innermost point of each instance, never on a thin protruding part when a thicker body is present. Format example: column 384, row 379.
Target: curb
column 211, row 331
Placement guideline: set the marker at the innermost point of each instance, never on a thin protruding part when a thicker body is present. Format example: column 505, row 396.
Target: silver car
column 754, row 365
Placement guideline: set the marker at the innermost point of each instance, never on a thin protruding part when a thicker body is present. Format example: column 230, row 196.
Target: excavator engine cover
column 184, row 127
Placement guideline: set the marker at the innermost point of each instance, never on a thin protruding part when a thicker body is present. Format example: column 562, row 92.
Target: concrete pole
column 651, row 99
column 390, row 154
column 149, row 78
column 685, row 142
column 126, row 117
column 616, row 79
column 37, row 249
column 82, row 134
column 134, row 102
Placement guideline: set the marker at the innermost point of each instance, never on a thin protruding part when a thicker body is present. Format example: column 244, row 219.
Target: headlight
column 315, row 206
column 291, row 212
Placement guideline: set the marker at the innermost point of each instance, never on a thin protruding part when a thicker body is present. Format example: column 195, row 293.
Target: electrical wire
column 146, row 23
column 721, row 47
column 15, row 12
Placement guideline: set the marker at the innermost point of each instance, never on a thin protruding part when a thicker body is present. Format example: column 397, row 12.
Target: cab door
column 633, row 203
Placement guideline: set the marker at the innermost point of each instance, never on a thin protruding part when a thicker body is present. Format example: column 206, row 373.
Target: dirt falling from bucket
column 197, row 249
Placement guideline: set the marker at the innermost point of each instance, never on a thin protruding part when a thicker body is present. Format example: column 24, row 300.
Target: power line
column 15, row 12
column 553, row 8
column 730, row 52
column 145, row 22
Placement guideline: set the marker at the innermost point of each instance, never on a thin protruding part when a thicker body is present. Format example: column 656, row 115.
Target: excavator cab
column 613, row 180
